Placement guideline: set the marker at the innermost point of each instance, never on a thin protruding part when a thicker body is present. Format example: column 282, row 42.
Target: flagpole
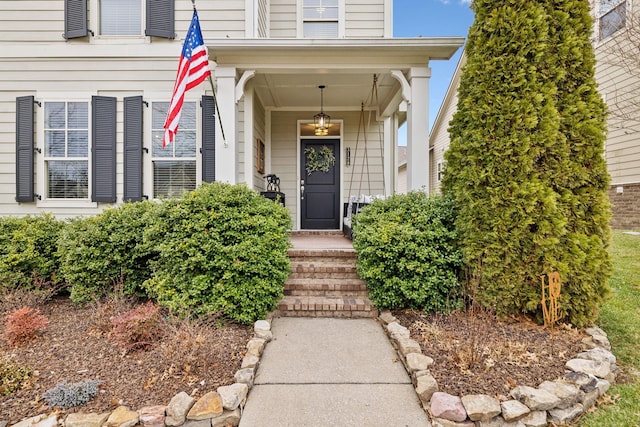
column 213, row 90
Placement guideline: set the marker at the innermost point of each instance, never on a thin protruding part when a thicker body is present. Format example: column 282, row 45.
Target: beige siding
column 364, row 18
column 43, row 21
column 623, row 137
column 283, row 19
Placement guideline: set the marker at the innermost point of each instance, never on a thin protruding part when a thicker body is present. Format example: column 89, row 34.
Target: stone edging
column 589, row 376
column 220, row 408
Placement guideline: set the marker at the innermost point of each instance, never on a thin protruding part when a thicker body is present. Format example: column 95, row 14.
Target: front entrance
column 320, row 198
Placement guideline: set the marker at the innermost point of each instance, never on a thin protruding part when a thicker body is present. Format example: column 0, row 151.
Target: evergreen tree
column 582, row 180
column 518, row 168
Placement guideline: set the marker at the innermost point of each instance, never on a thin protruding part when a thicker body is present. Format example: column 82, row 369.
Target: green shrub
column 28, row 252
column 106, row 252
column 526, row 164
column 406, row 252
column 223, row 249
column 12, row 375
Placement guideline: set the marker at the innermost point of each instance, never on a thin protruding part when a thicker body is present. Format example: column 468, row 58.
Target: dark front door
column 320, row 200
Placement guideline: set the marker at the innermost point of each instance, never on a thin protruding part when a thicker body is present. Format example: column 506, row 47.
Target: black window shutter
column 24, row 149
column 75, row 19
column 103, row 149
column 208, row 139
column 161, row 19
column 133, row 148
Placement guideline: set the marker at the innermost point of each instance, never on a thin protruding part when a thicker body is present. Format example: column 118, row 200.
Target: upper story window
column 121, row 17
column 612, row 16
column 174, row 166
column 66, row 150
column 320, row 18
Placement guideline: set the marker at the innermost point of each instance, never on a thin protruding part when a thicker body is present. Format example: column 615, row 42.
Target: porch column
column 226, row 159
column 418, row 130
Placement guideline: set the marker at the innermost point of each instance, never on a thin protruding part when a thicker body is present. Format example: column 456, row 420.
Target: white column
column 390, row 163
column 418, row 130
column 226, row 164
column 249, row 139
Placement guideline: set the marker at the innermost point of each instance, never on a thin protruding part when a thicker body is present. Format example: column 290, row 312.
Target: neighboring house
column 439, row 136
column 620, row 88
column 85, row 86
column 618, row 75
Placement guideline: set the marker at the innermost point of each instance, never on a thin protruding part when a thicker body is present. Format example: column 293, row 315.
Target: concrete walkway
column 331, row 372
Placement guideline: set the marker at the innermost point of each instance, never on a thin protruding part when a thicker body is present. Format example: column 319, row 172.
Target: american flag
column 193, row 69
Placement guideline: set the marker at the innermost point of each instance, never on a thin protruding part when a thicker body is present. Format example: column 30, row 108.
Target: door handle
column 302, row 189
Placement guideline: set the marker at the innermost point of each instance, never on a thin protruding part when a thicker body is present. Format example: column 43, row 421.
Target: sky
column 433, row 18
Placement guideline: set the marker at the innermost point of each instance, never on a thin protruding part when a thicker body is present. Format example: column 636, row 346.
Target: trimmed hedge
column 407, row 254
column 102, row 253
column 28, row 251
column 222, row 249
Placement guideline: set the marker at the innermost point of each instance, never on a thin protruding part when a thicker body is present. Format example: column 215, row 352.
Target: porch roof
column 288, row 71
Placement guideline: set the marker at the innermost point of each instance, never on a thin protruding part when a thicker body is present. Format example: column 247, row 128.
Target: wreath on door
column 319, row 160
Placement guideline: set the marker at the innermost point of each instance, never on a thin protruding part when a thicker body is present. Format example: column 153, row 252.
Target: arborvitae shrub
column 138, row 328
column 67, row 395
column 525, row 164
column 106, row 252
column 406, row 252
column 223, row 249
column 23, row 324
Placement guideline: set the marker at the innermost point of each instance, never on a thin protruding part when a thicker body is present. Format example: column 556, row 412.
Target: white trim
column 40, row 169
column 404, row 83
column 242, row 82
column 388, row 18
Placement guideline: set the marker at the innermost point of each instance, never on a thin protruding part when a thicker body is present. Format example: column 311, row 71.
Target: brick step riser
column 329, row 268
column 321, row 276
column 320, row 293
column 322, row 261
column 326, row 285
column 357, row 314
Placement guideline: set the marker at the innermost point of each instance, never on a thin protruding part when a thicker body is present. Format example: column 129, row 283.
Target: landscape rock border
column 589, row 375
column 220, row 408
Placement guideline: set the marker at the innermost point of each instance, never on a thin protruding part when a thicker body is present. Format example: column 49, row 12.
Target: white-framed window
column 612, row 16
column 174, row 167
column 320, row 18
column 121, row 17
column 66, row 150
column 439, row 169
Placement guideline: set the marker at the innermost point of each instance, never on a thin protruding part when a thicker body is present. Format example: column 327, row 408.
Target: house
column 85, row 87
column 616, row 29
column 618, row 78
column 439, row 136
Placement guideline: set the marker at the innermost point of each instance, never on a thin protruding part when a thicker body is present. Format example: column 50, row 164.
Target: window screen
column 320, row 18
column 174, row 166
column 120, row 17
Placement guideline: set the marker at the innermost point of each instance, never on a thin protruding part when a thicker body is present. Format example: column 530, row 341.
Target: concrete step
column 322, row 255
column 326, row 306
column 326, row 287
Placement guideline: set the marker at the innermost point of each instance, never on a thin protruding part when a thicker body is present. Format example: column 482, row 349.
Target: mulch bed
column 195, row 357
column 480, row 354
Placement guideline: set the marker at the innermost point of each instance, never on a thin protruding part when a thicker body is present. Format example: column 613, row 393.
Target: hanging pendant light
column 321, row 120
